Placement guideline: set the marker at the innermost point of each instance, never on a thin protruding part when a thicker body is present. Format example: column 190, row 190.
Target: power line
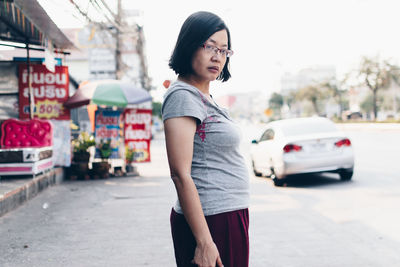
column 85, row 14
column 108, row 8
column 63, row 6
column 114, row 22
column 97, row 7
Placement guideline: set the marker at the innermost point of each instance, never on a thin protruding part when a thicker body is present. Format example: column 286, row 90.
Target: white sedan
column 302, row 145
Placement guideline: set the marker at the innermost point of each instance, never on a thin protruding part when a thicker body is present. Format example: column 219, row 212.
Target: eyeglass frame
column 216, row 50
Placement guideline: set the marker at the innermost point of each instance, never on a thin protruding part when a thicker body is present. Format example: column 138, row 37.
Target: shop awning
column 25, row 21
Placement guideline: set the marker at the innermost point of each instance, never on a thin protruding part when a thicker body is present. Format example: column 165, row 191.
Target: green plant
column 83, row 142
column 105, row 149
column 129, row 154
column 156, row 107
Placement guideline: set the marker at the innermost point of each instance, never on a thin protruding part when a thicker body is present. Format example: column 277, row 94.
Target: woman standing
column 210, row 220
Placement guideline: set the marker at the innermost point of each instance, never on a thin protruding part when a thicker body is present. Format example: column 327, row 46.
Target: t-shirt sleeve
column 183, row 103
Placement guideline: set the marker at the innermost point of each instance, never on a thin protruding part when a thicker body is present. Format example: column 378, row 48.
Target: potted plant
column 102, row 168
column 129, row 157
column 81, row 146
column 80, row 165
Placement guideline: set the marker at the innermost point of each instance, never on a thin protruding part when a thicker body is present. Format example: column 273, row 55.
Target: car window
column 308, row 127
column 267, row 135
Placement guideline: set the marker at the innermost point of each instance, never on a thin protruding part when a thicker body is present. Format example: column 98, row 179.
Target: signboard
column 101, row 49
column 50, row 90
column 107, row 131
column 137, row 124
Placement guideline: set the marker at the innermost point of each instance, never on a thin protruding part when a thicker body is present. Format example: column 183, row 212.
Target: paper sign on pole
column 49, row 60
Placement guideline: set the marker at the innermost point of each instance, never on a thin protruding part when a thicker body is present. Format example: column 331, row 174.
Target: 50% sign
column 48, row 109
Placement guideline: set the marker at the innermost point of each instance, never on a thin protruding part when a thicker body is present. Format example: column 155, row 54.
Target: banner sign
column 137, row 124
column 107, row 132
column 50, row 90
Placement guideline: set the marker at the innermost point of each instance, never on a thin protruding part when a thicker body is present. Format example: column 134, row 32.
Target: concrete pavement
column 15, row 191
column 125, row 222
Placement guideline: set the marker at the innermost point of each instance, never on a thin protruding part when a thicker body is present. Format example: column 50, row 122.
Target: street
column 321, row 221
column 315, row 220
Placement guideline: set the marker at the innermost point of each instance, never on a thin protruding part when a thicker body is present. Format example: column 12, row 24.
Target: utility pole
column 31, row 95
column 119, row 64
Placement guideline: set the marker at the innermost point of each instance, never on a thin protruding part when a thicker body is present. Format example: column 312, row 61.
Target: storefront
column 34, row 92
column 35, row 130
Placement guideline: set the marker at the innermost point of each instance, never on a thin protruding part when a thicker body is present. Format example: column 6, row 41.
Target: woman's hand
column 207, row 255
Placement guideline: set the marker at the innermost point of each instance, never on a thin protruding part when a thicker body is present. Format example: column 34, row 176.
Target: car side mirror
column 254, row 141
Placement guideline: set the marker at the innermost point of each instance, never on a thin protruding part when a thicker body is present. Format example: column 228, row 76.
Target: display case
column 26, row 147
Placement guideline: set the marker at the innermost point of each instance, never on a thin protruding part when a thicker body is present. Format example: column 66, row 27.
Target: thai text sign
column 50, row 90
column 137, row 124
column 107, row 133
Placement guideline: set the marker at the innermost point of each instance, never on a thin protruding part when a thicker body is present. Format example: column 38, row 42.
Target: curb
column 13, row 199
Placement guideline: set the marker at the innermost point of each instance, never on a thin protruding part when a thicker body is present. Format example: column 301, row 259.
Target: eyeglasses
column 215, row 50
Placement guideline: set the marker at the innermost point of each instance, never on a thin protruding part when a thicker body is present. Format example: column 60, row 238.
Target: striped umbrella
column 107, row 93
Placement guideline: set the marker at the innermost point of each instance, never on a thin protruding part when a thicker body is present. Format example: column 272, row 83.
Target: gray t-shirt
column 218, row 169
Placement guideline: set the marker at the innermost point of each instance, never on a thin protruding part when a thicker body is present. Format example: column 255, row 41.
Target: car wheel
column 256, row 173
column 345, row 175
column 275, row 179
column 270, row 171
column 278, row 182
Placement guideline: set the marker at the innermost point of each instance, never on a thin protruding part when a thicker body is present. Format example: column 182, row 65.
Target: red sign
column 137, row 129
column 167, row 83
column 50, row 90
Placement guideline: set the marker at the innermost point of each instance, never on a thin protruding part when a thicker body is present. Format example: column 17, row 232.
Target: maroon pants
column 229, row 231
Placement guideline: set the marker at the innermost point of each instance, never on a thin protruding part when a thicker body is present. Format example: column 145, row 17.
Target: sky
column 269, row 38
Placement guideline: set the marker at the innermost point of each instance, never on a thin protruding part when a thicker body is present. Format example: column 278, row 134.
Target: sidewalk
column 14, row 191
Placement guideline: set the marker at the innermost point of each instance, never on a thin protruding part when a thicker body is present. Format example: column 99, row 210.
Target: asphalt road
column 317, row 220
column 312, row 221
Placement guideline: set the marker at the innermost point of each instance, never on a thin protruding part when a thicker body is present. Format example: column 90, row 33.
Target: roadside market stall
column 32, row 132
column 112, row 108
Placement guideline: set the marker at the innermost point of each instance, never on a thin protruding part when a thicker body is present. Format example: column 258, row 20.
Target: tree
column 290, row 98
column 275, row 104
column 157, row 109
column 367, row 105
column 377, row 74
column 337, row 90
column 314, row 94
column 276, row 101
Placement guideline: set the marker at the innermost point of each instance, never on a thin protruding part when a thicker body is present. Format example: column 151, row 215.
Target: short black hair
column 196, row 29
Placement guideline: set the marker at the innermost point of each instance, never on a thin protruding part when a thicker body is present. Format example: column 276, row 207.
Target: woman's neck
column 203, row 86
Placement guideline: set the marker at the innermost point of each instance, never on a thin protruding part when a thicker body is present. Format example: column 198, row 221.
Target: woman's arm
column 179, row 136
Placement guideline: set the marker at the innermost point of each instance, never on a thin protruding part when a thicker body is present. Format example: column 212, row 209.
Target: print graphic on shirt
column 204, row 127
column 203, row 99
